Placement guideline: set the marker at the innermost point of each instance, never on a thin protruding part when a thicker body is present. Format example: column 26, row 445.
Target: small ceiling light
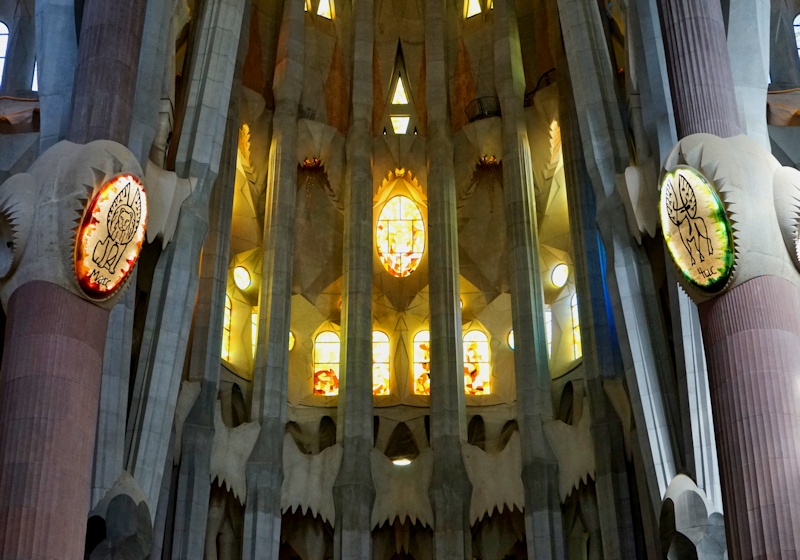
column 400, row 123
column 291, row 340
column 559, row 275
column 241, row 277
column 402, row 462
column 511, row 339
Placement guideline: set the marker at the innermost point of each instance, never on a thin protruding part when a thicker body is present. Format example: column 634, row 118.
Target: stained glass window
column 226, row 330
column 399, row 97
column 477, row 372
column 35, row 80
column 400, row 123
column 325, row 9
column 3, row 48
column 380, row 363
column 577, row 350
column 422, row 363
column 797, row 32
column 254, row 331
column 326, row 363
column 548, row 331
column 401, row 236
column 473, row 7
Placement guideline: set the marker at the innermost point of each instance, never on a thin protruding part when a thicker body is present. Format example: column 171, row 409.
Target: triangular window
column 325, row 9
column 399, row 97
column 473, row 7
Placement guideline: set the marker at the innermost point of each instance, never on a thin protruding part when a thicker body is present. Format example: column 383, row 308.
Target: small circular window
column 400, row 236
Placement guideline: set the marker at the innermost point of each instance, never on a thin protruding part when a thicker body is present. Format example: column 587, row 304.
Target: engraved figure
column 682, row 211
column 123, row 220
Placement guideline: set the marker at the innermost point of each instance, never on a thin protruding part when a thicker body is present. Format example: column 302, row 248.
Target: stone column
column 105, row 77
column 450, row 490
column 193, row 492
column 262, row 521
column 752, row 331
column 597, row 341
column 354, row 490
column 543, row 530
column 175, row 280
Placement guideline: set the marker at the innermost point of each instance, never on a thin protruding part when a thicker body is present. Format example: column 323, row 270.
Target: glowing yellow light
column 326, row 364
column 548, row 331
column 400, row 236
column 225, row 351
column 559, row 275
column 291, row 340
column 325, row 9
column 110, row 236
column 511, row 339
column 308, row 5
column 473, row 8
column 380, row 363
column 477, row 375
column 422, row 363
column 399, row 97
column 400, row 124
column 402, row 462
column 577, row 349
column 241, row 277
column 254, row 331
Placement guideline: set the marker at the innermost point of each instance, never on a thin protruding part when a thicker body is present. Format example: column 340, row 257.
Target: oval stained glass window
column 400, row 236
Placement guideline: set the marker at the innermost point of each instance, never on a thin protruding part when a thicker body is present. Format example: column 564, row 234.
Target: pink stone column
column 49, row 394
column 752, row 339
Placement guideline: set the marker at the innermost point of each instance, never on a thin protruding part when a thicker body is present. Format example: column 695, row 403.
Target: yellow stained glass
column 473, row 8
column 226, row 330
column 291, row 340
column 577, row 349
column 254, row 331
column 399, row 97
column 380, row 363
column 400, row 123
column 422, row 363
column 324, row 9
column 477, row 371
column 400, row 236
column 326, row 364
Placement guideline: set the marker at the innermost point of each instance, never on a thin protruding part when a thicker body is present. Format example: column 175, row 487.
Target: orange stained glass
column 400, row 236
column 477, row 371
column 326, row 364
column 422, row 363
column 380, row 363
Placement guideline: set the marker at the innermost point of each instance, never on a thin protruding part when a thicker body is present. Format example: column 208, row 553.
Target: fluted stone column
column 262, row 522
column 105, row 77
column 751, row 332
column 597, row 341
column 543, row 529
column 450, row 490
column 193, row 492
column 175, row 280
column 354, row 490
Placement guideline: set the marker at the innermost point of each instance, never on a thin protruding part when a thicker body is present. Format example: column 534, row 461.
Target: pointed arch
column 381, row 352
column 4, row 38
column 326, row 363
column 477, row 363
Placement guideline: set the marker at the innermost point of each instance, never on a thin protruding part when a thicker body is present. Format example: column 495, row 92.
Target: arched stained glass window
column 577, row 350
column 797, row 32
column 422, row 363
column 326, row 363
column 477, row 369
column 254, row 331
column 226, row 330
column 380, row 363
column 3, row 48
column 400, row 236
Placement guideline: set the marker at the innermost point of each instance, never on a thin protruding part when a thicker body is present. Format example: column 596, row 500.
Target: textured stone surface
column 752, row 336
column 49, row 390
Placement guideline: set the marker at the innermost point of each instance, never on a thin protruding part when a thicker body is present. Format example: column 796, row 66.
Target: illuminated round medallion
column 696, row 229
column 110, row 236
column 400, row 236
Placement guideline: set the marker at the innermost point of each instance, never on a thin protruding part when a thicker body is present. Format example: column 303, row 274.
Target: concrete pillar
column 699, row 67
column 597, row 341
column 354, row 490
column 105, row 75
column 175, row 280
column 56, row 55
column 48, row 411
column 751, row 332
column 543, row 529
column 193, row 492
column 450, row 490
column 262, row 521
